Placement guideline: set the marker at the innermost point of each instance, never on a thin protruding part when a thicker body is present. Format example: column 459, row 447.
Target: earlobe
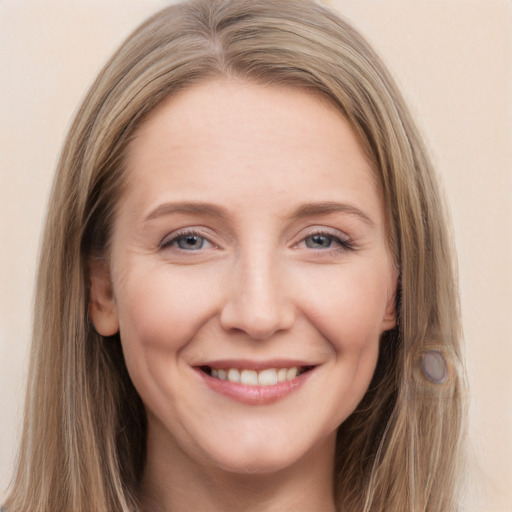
column 102, row 308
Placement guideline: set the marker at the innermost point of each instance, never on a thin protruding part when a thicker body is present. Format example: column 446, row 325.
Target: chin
column 255, row 466
column 265, row 458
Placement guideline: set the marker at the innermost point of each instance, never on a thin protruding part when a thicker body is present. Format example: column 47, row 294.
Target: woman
column 199, row 345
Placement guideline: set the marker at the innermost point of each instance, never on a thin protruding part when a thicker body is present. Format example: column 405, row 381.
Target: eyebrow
column 305, row 210
column 327, row 207
column 185, row 207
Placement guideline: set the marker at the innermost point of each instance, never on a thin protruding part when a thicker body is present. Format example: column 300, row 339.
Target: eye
column 319, row 241
column 186, row 241
column 190, row 242
column 323, row 240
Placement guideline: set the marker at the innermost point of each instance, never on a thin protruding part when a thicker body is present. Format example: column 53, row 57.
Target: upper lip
column 252, row 364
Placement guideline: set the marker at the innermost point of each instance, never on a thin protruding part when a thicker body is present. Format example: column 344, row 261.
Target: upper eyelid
column 324, row 230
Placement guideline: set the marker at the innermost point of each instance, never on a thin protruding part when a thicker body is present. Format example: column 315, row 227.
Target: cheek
column 350, row 317
column 159, row 313
column 160, row 310
column 349, row 308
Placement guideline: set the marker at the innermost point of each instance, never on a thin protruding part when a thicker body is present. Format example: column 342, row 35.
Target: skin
column 288, row 262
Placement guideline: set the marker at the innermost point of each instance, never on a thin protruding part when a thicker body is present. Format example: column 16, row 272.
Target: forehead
column 234, row 139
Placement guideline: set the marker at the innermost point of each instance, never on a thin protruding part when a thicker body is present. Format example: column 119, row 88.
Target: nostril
column 255, row 325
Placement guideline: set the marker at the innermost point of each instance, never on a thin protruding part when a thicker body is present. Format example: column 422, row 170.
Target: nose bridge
column 258, row 303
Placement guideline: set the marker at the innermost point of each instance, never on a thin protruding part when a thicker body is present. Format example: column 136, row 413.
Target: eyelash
column 342, row 244
column 183, row 234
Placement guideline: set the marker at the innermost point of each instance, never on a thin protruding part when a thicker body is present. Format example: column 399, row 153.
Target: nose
column 257, row 302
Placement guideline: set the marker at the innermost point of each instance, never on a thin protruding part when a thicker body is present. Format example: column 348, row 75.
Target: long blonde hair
column 83, row 441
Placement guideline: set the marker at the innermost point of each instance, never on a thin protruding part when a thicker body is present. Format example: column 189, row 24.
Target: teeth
column 291, row 373
column 281, row 374
column 249, row 377
column 267, row 377
column 233, row 375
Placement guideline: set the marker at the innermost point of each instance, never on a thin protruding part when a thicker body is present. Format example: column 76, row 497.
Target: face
column 249, row 278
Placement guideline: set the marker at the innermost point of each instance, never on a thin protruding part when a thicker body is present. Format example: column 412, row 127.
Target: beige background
column 453, row 59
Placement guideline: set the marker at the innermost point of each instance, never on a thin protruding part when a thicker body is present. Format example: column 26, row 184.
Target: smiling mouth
column 266, row 377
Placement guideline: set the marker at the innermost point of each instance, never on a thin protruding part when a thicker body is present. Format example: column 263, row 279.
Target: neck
column 172, row 482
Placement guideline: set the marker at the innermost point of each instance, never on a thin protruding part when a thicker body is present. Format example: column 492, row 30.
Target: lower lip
column 255, row 395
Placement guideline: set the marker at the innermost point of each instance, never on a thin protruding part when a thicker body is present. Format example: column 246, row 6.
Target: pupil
column 191, row 242
column 319, row 241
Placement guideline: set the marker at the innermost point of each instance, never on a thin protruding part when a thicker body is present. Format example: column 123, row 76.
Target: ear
column 102, row 308
column 389, row 319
